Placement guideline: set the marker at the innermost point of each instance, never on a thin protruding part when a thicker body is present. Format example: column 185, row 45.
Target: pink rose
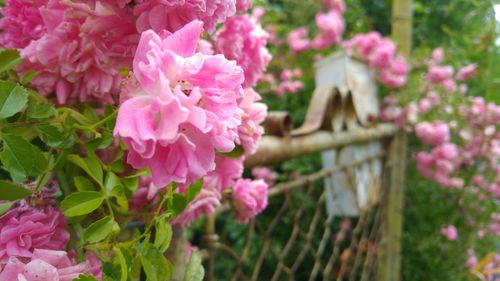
column 466, row 72
column 438, row 74
column 435, row 133
column 249, row 198
column 49, row 265
column 174, row 15
column 205, row 203
column 183, row 109
column 21, row 23
column 331, row 26
column 24, row 228
column 297, row 39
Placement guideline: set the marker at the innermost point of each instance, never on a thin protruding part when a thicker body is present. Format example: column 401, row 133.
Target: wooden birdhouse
column 355, row 84
column 346, row 91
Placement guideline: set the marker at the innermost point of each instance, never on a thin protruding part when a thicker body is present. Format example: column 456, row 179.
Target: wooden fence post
column 390, row 255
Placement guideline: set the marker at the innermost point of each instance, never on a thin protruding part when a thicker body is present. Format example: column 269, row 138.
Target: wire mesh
column 297, row 239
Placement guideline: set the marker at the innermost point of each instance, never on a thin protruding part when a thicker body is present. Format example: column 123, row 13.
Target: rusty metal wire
column 296, row 239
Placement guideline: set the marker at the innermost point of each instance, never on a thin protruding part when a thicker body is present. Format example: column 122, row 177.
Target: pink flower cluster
column 440, row 164
column 79, row 48
column 242, row 39
column 331, row 26
column 381, row 54
column 24, row 228
column 435, row 133
column 289, row 82
column 442, row 75
column 49, row 265
column 249, row 198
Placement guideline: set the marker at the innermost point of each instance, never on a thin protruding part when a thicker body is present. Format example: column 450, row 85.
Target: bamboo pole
column 274, row 149
column 389, row 267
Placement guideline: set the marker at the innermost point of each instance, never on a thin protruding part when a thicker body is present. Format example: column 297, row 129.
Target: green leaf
column 13, row 98
column 193, row 190
column 40, row 111
column 81, row 203
column 179, row 203
column 111, row 182
column 237, row 152
column 163, row 235
column 99, row 230
column 28, row 77
column 83, row 184
column 123, row 264
column 194, row 269
column 102, row 142
column 85, row 278
column 4, row 207
column 154, row 263
column 51, row 135
column 21, row 158
column 90, row 165
column 11, row 192
column 8, row 59
column 118, row 192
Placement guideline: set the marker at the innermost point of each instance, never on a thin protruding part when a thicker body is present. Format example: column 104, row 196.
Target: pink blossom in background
column 440, row 164
column 174, row 15
column 434, row 133
column 331, row 27
column 185, row 107
column 365, row 43
column 242, row 39
column 21, row 23
column 383, row 54
column 437, row 56
column 49, row 265
column 449, row 85
column 81, row 54
column 466, row 72
column 434, row 97
column 439, row 74
column 424, row 105
column 450, row 232
column 471, row 260
column 337, row 5
column 264, row 173
column 24, row 228
column 204, row 203
column 254, row 113
column 297, row 39
column 243, row 5
column 249, row 198
column 288, row 85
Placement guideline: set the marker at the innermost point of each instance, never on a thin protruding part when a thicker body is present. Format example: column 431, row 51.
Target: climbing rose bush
column 127, row 124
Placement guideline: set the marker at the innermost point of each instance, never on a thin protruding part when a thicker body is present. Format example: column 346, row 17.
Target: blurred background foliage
column 468, row 31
